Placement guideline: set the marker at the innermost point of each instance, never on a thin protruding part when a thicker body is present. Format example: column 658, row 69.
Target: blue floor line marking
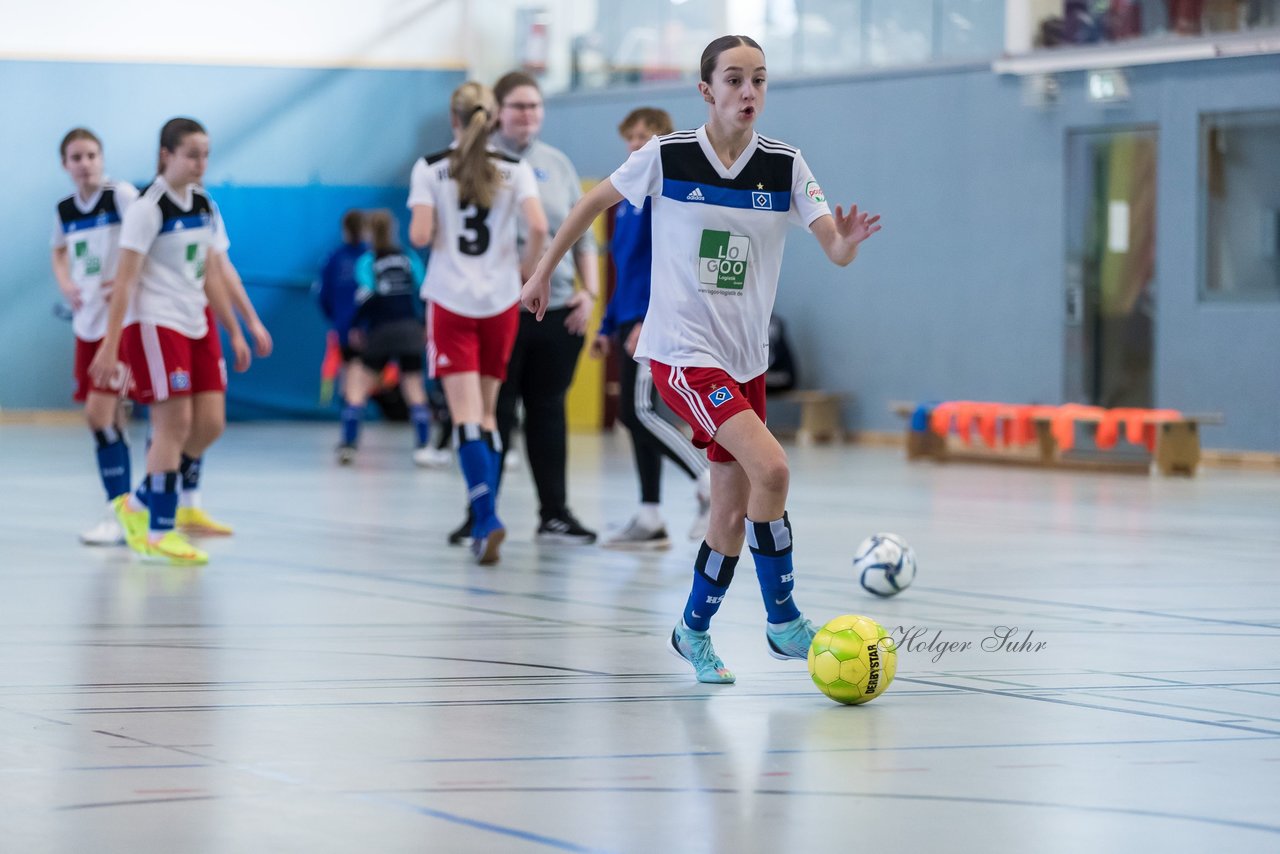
column 887, row 796
column 1061, row 702
column 525, row 835
column 1103, row 608
column 790, row 751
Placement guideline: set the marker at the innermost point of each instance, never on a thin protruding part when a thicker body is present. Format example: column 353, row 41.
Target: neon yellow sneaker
column 134, row 523
column 193, row 520
column 174, row 550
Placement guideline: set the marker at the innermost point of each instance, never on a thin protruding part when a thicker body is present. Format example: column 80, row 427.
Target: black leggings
column 539, row 373
column 652, row 436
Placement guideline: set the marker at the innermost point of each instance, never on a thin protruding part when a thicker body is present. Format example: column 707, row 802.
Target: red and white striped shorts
column 165, row 363
column 706, row 398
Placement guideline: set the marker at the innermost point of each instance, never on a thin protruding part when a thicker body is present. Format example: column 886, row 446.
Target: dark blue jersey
column 388, row 288
column 632, row 248
column 337, row 291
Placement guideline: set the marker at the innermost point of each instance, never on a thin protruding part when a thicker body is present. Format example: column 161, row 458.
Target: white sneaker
column 106, row 533
column 635, row 537
column 432, row 458
column 698, row 530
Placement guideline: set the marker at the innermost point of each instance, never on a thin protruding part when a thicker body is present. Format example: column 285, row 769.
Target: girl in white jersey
column 723, row 197
column 168, row 239
column 85, row 249
column 465, row 201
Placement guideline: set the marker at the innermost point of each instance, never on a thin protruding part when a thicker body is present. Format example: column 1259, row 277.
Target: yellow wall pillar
column 585, row 402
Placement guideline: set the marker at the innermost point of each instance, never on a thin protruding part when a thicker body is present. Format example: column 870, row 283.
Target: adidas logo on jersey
column 695, row 196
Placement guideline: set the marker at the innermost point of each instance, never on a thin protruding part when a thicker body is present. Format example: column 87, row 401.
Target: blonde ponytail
column 477, row 175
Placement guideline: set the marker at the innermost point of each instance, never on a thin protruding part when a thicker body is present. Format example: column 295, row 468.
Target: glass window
column 969, row 29
column 1241, row 213
column 637, row 43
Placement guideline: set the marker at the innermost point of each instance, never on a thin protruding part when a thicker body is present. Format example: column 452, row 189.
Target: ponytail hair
column 172, row 135
column 382, row 232
column 77, row 134
column 475, row 111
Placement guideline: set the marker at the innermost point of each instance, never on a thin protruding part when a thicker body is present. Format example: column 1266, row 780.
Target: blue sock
column 125, row 462
column 494, row 443
column 476, row 460
column 421, row 419
column 189, row 468
column 163, row 500
column 770, row 544
column 113, row 461
column 143, row 493
column 712, row 573
column 351, row 424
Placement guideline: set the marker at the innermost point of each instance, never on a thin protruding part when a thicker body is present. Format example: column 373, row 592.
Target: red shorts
column 165, row 363
column 706, row 398
column 457, row 344
column 117, row 385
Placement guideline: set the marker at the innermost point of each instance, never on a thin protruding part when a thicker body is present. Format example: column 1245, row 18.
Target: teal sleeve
column 364, row 271
column 419, row 269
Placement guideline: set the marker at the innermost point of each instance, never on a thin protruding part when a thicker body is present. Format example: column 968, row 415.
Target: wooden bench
column 1169, row 439
column 821, row 419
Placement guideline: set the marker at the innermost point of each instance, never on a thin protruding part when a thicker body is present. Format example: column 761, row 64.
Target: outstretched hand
column 856, row 227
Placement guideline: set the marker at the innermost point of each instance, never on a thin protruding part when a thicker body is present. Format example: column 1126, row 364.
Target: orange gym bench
column 1048, row 435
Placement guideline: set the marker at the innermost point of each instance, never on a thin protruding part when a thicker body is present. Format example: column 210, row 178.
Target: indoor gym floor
column 339, row 679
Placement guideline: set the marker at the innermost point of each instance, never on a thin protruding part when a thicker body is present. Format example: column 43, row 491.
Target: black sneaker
column 346, row 454
column 564, row 529
column 461, row 535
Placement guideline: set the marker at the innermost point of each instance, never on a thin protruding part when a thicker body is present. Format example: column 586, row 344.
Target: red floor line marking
column 776, row 774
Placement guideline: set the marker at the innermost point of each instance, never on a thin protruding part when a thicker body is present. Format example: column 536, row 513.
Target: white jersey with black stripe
column 176, row 234
column 90, row 232
column 718, row 236
column 474, row 269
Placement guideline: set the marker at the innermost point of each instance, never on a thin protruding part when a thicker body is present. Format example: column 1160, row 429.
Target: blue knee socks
column 421, row 419
column 162, row 499
column 351, row 424
column 770, row 544
column 113, row 461
column 476, row 458
column 712, row 573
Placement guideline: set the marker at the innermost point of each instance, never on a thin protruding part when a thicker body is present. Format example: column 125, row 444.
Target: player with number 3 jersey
column 465, row 201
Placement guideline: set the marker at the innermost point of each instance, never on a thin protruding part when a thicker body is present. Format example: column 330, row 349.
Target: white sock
column 189, row 498
column 649, row 516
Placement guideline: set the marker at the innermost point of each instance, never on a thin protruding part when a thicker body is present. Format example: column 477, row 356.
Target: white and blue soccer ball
column 885, row 564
